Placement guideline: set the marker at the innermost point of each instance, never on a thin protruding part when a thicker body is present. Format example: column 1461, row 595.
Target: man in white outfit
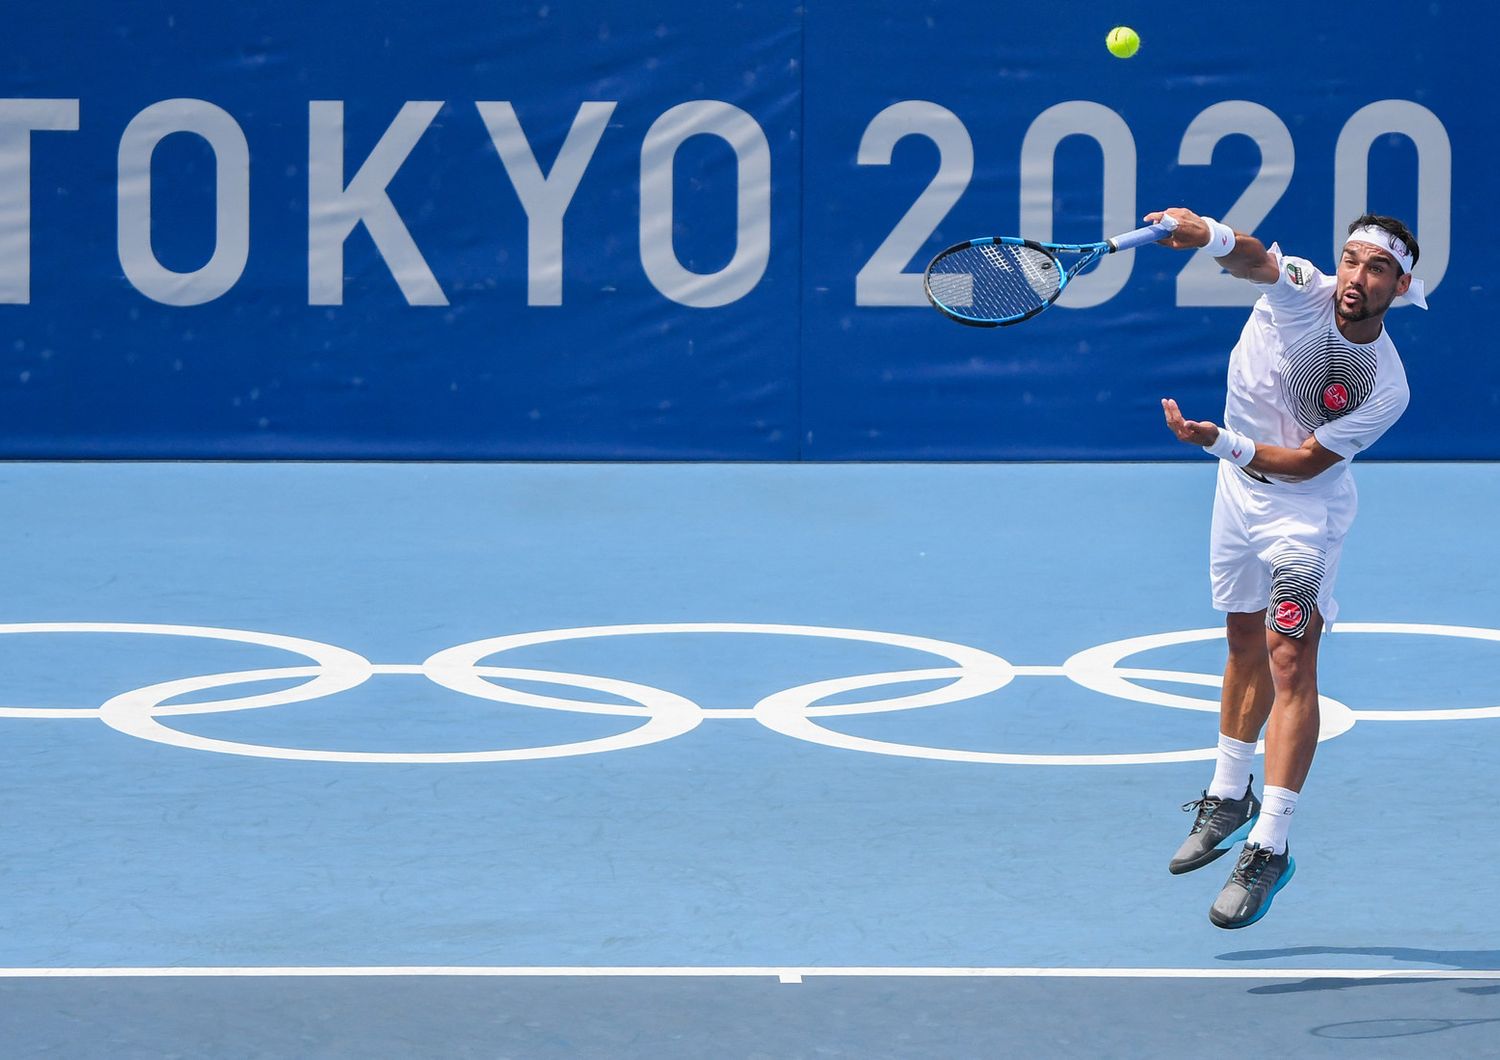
column 1313, row 381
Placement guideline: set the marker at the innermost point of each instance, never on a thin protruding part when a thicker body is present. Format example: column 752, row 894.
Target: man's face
column 1368, row 282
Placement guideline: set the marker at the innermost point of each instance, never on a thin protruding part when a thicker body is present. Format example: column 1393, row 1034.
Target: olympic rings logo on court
column 795, row 712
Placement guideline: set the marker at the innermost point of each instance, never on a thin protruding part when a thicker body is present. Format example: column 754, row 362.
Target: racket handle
column 1141, row 236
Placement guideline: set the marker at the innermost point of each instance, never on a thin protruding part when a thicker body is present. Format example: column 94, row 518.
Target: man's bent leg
column 1248, row 692
column 1265, row 865
column 1292, row 736
column 1228, row 807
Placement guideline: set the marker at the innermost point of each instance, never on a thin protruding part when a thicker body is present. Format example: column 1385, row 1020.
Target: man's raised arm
column 1240, row 255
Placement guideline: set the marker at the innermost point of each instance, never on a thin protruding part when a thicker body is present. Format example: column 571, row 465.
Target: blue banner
column 576, row 230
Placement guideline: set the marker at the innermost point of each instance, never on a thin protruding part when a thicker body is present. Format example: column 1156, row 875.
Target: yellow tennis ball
column 1122, row 42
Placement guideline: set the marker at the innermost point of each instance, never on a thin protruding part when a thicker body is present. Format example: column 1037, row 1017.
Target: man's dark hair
column 1394, row 227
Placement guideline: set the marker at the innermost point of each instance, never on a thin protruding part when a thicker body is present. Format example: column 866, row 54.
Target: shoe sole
column 1291, row 867
column 1238, row 835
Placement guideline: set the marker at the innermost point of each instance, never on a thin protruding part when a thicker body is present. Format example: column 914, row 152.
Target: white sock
column 1232, row 768
column 1275, row 819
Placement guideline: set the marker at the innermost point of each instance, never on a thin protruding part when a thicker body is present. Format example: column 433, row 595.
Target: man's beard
column 1365, row 310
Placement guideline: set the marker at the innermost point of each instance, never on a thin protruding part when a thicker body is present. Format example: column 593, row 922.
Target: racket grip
column 1141, row 236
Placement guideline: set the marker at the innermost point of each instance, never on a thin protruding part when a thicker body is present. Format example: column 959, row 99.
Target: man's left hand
column 1193, row 432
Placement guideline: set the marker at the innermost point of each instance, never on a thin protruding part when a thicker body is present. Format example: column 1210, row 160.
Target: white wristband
column 1232, row 446
column 1220, row 238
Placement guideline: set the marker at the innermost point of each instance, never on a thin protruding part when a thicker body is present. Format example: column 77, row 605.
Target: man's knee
column 1294, row 659
column 1246, row 633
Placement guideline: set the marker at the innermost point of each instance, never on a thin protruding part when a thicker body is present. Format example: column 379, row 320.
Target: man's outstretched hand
column 1193, row 432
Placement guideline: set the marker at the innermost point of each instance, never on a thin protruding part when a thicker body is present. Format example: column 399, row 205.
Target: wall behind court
column 592, row 230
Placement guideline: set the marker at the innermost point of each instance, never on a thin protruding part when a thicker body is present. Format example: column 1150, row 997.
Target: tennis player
column 1313, row 381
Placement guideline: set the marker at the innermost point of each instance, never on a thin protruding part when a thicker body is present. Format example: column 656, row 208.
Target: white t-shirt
column 1293, row 374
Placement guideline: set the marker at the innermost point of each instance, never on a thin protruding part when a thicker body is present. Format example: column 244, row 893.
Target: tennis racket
column 1000, row 280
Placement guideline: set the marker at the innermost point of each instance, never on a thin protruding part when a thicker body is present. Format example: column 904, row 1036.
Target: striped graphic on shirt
column 1323, row 377
column 1296, row 579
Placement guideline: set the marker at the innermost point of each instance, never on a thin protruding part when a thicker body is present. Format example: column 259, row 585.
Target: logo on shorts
column 1288, row 615
column 1335, row 397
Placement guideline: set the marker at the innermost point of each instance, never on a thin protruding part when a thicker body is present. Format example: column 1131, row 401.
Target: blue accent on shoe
column 1291, row 867
column 1238, row 835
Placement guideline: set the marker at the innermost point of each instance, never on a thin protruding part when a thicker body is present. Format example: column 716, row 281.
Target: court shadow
column 1459, row 960
column 1356, row 1030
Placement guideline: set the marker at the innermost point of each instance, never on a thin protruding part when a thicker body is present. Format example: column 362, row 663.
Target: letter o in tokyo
column 231, row 201
column 706, row 117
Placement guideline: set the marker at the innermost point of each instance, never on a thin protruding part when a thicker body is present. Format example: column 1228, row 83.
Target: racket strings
column 996, row 281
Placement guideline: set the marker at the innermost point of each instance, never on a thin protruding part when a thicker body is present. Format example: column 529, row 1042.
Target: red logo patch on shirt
column 1288, row 615
column 1335, row 397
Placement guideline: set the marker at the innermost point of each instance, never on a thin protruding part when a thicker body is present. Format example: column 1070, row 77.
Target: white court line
column 789, row 974
column 49, row 712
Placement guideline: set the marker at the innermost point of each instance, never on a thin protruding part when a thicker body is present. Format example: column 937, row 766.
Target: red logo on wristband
column 1335, row 397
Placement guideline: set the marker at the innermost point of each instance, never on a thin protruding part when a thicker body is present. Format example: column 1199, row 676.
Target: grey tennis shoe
column 1258, row 875
column 1218, row 825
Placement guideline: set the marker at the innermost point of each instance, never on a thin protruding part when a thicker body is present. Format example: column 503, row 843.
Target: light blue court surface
column 854, row 761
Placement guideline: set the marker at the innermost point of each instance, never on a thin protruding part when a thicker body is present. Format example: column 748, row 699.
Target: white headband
column 1397, row 249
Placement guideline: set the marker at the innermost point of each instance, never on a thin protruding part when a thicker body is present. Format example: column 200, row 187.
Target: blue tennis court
column 512, row 552
column 713, row 759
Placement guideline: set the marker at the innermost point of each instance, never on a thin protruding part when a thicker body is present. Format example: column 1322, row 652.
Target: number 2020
column 883, row 280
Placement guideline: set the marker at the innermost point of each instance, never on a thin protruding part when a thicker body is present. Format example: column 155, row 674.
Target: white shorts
column 1274, row 548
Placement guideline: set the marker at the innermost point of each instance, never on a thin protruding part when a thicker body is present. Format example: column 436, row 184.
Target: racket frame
column 1089, row 253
